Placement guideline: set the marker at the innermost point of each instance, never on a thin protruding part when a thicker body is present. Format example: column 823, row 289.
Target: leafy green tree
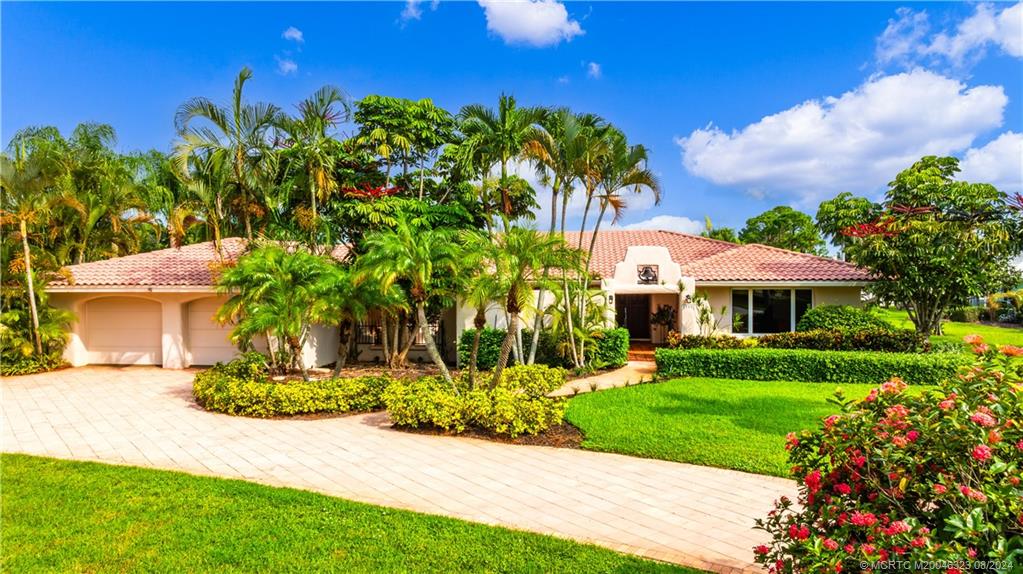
column 786, row 228
column 932, row 242
column 424, row 259
column 237, row 136
column 275, row 293
column 720, row 233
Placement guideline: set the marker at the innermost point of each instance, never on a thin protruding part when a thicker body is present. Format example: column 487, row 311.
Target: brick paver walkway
column 145, row 416
column 633, row 373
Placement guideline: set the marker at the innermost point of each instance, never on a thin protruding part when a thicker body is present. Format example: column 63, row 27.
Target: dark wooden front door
column 633, row 313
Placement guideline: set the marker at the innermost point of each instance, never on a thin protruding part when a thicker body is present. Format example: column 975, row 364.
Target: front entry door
column 633, row 313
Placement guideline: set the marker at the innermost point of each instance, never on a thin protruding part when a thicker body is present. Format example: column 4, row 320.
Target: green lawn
column 715, row 422
column 61, row 516
column 955, row 331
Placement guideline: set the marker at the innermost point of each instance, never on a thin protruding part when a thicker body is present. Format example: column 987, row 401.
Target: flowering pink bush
column 900, row 477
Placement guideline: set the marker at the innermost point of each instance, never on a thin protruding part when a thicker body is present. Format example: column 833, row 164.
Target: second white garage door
column 208, row 341
column 123, row 331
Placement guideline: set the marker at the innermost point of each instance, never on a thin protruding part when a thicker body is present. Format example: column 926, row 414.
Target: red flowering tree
column 905, row 476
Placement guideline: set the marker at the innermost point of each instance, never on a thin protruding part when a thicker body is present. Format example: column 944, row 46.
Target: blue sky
column 744, row 106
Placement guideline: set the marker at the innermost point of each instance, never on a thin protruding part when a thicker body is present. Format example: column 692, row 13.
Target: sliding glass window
column 761, row 311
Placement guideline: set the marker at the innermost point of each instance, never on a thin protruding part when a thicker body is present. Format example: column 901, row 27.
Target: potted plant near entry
column 664, row 319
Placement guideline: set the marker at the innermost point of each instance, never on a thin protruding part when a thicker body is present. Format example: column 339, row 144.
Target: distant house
column 157, row 308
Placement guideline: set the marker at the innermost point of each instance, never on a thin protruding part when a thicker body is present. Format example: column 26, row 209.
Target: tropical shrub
column 841, row 318
column 17, row 364
column 931, row 478
column 242, row 387
column 1005, row 307
column 490, row 348
column 966, row 314
column 807, row 365
column 517, row 405
column 888, row 340
column 676, row 340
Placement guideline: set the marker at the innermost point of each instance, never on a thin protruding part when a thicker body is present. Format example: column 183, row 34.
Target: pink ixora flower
column 830, row 544
column 897, row 527
column 983, row 419
column 862, row 518
column 973, row 339
column 981, row 452
column 940, row 488
column 1011, row 350
column 912, row 435
column 981, row 348
column 893, row 386
column 972, row 494
column 791, row 440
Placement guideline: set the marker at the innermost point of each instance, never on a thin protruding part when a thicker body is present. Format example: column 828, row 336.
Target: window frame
column 749, row 306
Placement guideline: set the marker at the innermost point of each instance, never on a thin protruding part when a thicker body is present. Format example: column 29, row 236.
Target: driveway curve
column 691, row 515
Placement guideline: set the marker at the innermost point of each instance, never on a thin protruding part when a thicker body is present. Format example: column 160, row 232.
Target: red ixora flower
column 761, row 550
column 981, row 452
column 830, row 544
column 843, row 488
column 813, row 481
column 791, row 441
column 1011, row 350
column 983, row 419
column 913, row 435
column 940, row 488
column 897, row 527
column 862, row 518
column 972, row 494
column 799, row 532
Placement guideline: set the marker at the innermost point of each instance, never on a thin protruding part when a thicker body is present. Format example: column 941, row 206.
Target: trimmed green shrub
column 808, row 365
column 28, row 365
column 966, row 314
column 518, row 405
column 611, row 349
column 489, row 351
column 841, row 318
column 891, row 341
column 238, row 388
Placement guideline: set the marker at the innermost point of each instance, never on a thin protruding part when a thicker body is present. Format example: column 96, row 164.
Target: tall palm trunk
column 479, row 322
column 31, row 289
column 431, row 346
column 506, row 347
column 564, row 285
column 538, row 321
column 344, row 337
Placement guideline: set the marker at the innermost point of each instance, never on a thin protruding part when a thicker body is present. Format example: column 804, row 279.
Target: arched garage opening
column 208, row 341
column 123, row 331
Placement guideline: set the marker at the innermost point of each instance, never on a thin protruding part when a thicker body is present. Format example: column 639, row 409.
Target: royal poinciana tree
column 933, row 241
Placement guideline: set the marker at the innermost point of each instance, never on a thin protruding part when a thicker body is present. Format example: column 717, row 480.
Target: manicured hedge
column 489, row 351
column 677, row 340
column 841, row 317
column 238, row 388
column 892, row 341
column 611, row 348
column 808, row 365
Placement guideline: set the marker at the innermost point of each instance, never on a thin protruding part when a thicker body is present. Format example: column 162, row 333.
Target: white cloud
column 532, row 22
column 906, row 40
column 593, row 70
column 286, row 66
column 413, row 9
column 854, row 142
column 564, row 80
column 999, row 163
column 293, row 34
column 668, row 223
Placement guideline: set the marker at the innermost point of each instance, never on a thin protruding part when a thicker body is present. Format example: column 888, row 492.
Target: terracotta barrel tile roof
column 701, row 258
column 187, row 266
column 707, row 259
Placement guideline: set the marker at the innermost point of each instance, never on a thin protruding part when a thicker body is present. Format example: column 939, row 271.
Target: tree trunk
column 431, row 347
column 385, row 340
column 506, row 347
column 296, row 357
column 343, row 345
column 538, row 321
column 479, row 322
column 30, row 283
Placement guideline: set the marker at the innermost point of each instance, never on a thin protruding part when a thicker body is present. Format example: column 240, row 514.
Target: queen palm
column 425, row 260
column 496, row 138
column 237, row 135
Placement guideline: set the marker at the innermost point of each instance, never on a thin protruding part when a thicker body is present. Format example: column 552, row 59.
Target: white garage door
column 208, row 342
column 123, row 331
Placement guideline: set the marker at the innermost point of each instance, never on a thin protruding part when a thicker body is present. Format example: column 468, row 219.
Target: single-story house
column 157, row 308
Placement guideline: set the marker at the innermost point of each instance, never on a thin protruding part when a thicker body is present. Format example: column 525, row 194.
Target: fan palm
column 496, row 138
column 237, row 135
column 421, row 258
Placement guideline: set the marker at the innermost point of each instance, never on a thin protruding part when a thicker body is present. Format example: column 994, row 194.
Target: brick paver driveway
column 145, row 416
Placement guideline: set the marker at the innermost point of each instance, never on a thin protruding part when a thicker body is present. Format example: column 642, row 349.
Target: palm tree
column 310, row 146
column 236, row 134
column 519, row 257
column 481, row 289
column 496, row 138
column 421, row 258
column 26, row 202
column 275, row 293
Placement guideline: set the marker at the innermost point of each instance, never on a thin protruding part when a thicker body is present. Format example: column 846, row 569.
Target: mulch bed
column 564, row 435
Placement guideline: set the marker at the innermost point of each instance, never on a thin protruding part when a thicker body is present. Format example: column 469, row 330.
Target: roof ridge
column 813, row 255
